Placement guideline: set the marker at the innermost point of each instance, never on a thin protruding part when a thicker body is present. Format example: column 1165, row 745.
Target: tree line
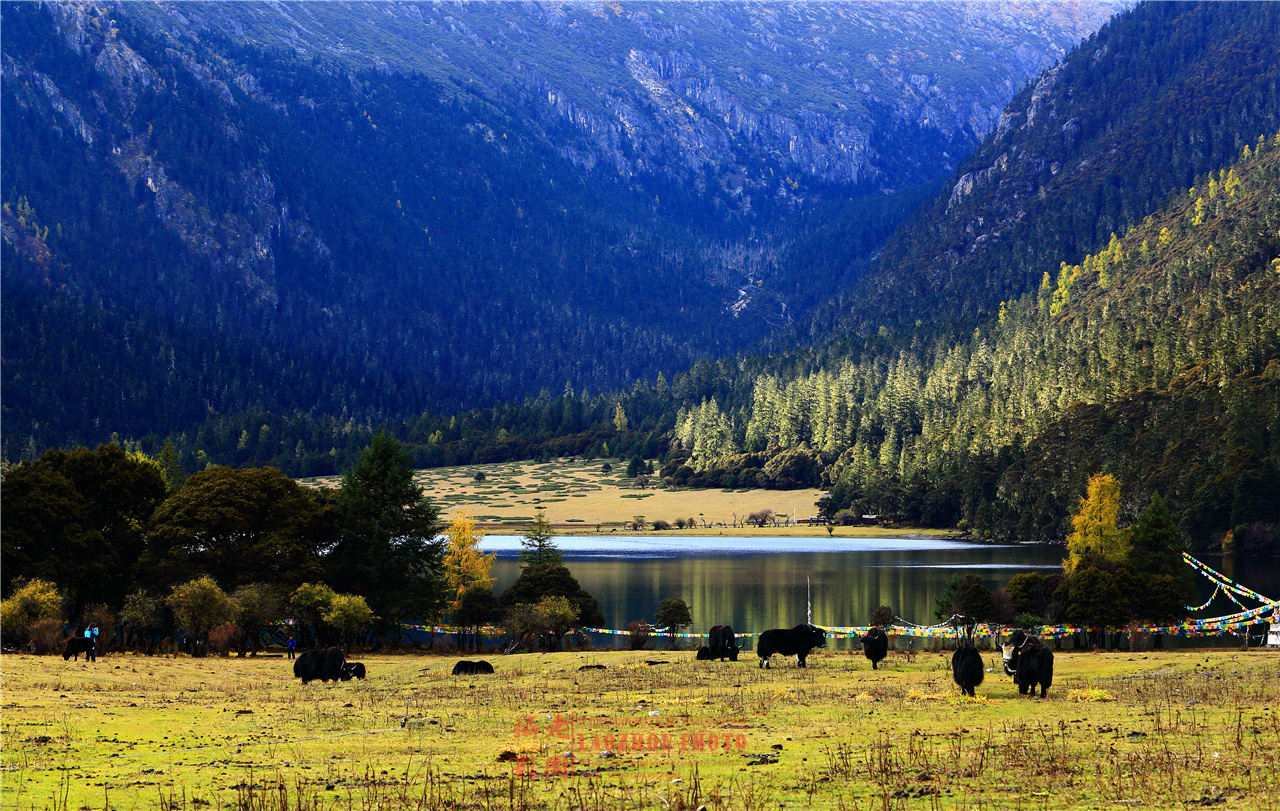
column 109, row 538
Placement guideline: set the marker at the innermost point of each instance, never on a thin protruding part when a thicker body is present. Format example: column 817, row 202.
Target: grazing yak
column 467, row 668
column 321, row 664
column 875, row 646
column 1029, row 662
column 966, row 668
column 77, row 645
column 797, row 642
column 724, row 643
column 704, row 654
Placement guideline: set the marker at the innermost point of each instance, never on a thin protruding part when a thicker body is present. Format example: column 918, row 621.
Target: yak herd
column 1026, row 658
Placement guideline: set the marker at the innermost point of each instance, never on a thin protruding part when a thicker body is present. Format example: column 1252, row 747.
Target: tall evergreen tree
column 388, row 550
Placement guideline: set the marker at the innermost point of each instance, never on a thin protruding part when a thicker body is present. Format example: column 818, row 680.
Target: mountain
column 358, row 211
column 1164, row 93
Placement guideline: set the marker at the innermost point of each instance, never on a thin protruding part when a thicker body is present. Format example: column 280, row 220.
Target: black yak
column 797, row 641
column 321, row 664
column 875, row 646
column 724, row 644
column 966, row 668
column 704, row 654
column 468, row 668
column 353, row 670
column 1029, row 662
column 77, row 645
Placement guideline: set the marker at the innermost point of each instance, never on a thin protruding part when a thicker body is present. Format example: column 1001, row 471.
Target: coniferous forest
column 1094, row 289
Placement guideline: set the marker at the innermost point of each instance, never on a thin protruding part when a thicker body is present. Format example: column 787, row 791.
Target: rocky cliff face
column 770, row 98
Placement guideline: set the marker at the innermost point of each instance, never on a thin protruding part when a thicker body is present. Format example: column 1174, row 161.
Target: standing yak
column 966, row 668
column 1029, row 662
column 321, row 664
column 724, row 643
column 797, row 642
column 875, row 646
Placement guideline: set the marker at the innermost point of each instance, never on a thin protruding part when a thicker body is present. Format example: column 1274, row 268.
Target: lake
column 755, row 583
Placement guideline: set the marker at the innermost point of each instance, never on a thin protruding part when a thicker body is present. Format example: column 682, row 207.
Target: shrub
column 223, row 637
column 45, row 636
column 640, row 632
column 661, row 526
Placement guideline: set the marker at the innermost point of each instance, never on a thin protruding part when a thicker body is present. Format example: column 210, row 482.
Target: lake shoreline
column 575, row 529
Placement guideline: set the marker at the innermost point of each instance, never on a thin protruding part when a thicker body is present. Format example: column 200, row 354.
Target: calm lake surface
column 755, row 583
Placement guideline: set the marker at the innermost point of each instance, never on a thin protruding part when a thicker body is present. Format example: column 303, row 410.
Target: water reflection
column 755, row 589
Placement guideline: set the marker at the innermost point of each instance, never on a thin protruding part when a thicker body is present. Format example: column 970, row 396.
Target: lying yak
column 321, row 664
column 724, row 644
column 77, row 645
column 875, row 646
column 797, row 642
column 467, row 668
column 966, row 668
column 1029, row 662
column 704, row 654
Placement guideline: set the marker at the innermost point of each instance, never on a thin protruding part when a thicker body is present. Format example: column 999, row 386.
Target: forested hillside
column 358, row 211
column 1163, row 93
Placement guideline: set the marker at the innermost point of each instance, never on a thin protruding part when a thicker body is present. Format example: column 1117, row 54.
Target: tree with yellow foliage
column 1095, row 534
column 465, row 566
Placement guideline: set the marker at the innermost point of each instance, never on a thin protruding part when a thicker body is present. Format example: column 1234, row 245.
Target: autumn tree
column 1095, row 535
column 465, row 565
column 31, row 602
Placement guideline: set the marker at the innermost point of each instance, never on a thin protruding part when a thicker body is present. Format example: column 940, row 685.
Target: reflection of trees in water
column 757, row 592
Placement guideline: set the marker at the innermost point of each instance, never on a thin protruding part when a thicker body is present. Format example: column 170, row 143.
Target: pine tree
column 1095, row 534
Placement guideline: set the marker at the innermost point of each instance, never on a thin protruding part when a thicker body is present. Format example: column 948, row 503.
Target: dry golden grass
column 579, row 496
column 1186, row 728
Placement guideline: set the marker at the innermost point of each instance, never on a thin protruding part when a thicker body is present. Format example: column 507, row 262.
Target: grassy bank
column 580, row 497
column 1152, row 730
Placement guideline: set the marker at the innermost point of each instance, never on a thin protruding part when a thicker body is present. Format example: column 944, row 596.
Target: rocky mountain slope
column 363, row 210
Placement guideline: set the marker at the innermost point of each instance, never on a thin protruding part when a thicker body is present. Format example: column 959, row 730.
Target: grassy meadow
column 579, row 497
column 1152, row 730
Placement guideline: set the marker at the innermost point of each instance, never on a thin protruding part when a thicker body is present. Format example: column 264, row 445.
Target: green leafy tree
column 308, row 604
column 241, row 526
column 1098, row 598
column 77, row 518
column 478, row 607
column 673, row 614
column 142, row 616
column 538, row 544
column 348, row 613
column 388, row 550
column 258, row 607
column 882, row 616
column 1164, row 581
column 555, row 615
column 198, row 607
column 538, row 580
